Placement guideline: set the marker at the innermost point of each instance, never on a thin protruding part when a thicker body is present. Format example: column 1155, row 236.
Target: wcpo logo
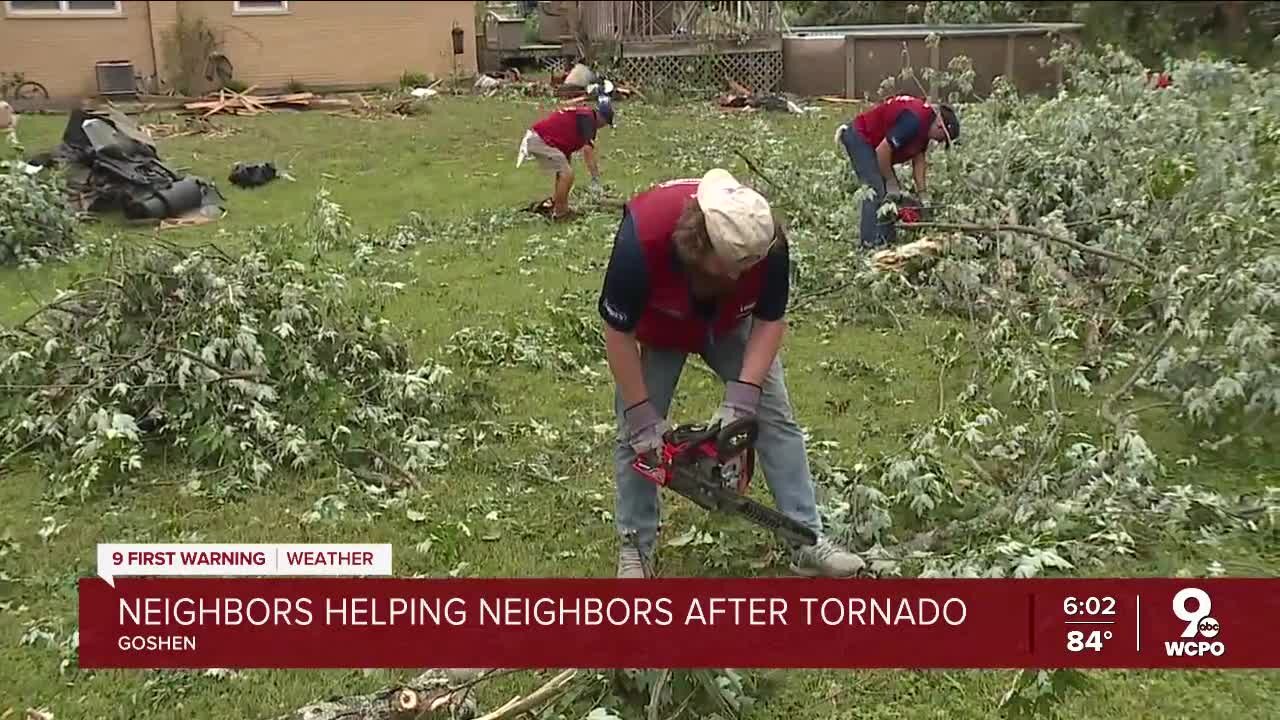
column 1192, row 605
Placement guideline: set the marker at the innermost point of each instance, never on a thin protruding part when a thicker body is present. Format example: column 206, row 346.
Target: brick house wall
column 322, row 45
column 59, row 51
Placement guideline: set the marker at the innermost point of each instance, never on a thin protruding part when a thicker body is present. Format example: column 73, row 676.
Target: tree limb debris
column 542, row 695
column 436, row 694
column 753, row 167
column 978, row 469
column 655, row 695
column 223, row 373
column 1211, row 299
column 1028, row 230
column 405, row 475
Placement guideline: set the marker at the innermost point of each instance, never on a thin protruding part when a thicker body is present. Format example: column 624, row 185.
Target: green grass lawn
column 458, row 162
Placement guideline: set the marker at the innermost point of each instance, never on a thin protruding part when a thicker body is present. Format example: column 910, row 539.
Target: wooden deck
column 683, row 46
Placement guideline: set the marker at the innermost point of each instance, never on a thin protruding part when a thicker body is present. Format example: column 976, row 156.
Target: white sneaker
column 825, row 559
column 632, row 565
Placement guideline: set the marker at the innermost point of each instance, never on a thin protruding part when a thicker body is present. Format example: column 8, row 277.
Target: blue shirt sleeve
column 772, row 304
column 905, row 129
column 626, row 281
column 587, row 128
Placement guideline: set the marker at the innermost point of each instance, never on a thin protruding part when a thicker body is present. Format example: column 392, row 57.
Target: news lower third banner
column 384, row 622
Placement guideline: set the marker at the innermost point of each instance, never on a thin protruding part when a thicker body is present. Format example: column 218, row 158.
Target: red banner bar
column 191, row 623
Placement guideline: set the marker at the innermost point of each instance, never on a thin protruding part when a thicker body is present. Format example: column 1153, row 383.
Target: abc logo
column 1208, row 627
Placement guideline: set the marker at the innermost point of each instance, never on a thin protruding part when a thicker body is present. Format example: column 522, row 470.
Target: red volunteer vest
column 670, row 320
column 560, row 129
column 875, row 123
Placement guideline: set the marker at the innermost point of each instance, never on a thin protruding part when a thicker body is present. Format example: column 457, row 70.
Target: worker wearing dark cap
column 893, row 132
column 554, row 139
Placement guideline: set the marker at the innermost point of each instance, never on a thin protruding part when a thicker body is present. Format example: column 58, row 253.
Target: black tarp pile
column 111, row 165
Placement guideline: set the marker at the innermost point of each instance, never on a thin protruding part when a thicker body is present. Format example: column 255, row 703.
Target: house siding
column 322, row 45
column 60, row 52
column 342, row 44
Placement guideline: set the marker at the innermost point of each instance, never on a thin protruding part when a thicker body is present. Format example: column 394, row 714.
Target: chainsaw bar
column 719, row 498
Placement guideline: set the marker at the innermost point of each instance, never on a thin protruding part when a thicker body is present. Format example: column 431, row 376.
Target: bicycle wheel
column 30, row 90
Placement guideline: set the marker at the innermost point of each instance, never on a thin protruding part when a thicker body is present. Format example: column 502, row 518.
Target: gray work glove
column 741, row 400
column 645, row 428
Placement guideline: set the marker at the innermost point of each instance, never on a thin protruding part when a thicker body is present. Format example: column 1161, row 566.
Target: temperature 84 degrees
column 1089, row 620
column 1078, row 640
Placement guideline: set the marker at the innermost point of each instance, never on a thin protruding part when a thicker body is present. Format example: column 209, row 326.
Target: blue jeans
column 867, row 168
column 780, row 447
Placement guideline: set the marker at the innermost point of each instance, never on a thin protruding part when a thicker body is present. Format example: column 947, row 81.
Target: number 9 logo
column 1193, row 618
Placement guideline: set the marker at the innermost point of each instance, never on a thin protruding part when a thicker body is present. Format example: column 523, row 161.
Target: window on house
column 53, row 7
column 261, row 6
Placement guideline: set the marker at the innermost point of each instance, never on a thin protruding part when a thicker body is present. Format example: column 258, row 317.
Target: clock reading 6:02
column 1089, row 606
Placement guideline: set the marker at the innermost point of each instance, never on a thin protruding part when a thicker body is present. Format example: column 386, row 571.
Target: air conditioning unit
column 115, row 78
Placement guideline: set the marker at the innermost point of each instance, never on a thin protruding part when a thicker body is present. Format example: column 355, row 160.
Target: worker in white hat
column 702, row 267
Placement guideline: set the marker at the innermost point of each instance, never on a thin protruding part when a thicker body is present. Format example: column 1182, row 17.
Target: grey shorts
column 551, row 160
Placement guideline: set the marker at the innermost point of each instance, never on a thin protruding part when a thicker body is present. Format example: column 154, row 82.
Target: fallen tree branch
column 432, row 694
column 753, row 167
column 66, row 409
column 223, row 373
column 806, row 298
column 1211, row 299
column 1095, row 220
column 1028, row 230
column 655, row 695
column 1153, row 406
column 56, row 304
column 538, row 697
column 756, row 169
column 978, row 469
column 404, row 474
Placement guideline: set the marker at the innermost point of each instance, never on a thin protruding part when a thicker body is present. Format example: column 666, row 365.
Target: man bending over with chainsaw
column 894, row 132
column 701, row 266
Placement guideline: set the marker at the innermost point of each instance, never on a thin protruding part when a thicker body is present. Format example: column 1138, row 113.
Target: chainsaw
column 712, row 466
column 910, row 209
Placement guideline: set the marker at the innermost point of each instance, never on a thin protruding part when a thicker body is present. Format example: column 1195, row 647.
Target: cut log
column 907, row 258
column 433, row 694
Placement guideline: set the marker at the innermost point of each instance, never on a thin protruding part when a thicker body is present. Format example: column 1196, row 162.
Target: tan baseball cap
column 739, row 221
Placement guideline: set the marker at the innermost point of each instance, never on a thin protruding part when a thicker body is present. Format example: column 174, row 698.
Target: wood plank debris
column 245, row 103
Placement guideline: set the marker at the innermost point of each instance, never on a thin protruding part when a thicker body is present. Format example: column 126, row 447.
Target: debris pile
column 388, row 105
column 112, row 165
column 743, row 98
column 491, row 83
column 579, row 85
column 243, row 103
column 186, row 126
